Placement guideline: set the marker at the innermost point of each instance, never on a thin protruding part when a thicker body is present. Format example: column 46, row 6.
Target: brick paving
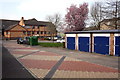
column 84, row 66
column 20, row 52
column 39, row 64
column 48, row 58
column 42, row 62
column 40, row 73
column 83, row 74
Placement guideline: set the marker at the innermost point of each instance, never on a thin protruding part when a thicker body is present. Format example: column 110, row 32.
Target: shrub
column 51, row 44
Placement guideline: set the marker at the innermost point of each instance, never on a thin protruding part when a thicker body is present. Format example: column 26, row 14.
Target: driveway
column 50, row 62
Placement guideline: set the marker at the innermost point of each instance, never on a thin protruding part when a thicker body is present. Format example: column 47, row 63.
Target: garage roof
column 94, row 31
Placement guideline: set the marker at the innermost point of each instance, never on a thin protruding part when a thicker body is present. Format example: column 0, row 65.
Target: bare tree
column 56, row 19
column 96, row 14
column 112, row 10
column 52, row 29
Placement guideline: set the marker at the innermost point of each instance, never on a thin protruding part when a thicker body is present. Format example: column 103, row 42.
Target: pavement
column 0, row 59
column 60, row 63
column 11, row 68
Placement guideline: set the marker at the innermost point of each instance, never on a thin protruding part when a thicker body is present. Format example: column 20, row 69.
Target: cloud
column 40, row 6
column 37, row 8
column 47, row 7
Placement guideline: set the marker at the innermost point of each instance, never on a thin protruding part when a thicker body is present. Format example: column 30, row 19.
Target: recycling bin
column 33, row 40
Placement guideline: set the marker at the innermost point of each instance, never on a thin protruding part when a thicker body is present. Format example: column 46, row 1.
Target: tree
column 112, row 10
column 96, row 14
column 56, row 19
column 76, row 16
column 52, row 29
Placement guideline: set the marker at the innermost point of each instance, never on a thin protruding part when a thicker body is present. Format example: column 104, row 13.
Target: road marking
column 27, row 54
column 54, row 68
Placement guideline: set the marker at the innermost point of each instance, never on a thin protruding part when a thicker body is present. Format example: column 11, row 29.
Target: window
column 44, row 32
column 33, row 27
column 41, row 32
column 37, row 32
column 7, row 33
column 29, row 32
column 38, row 27
column 24, row 32
column 27, row 26
column 32, row 32
column 108, row 23
column 48, row 32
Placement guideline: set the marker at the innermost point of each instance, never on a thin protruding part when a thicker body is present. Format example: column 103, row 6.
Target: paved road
column 62, row 63
column 109, row 61
column 11, row 68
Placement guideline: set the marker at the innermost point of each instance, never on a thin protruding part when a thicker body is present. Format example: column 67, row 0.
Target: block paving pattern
column 39, row 63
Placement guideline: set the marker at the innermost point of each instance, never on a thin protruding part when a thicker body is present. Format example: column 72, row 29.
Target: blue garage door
column 71, row 43
column 101, row 45
column 83, row 44
column 117, row 45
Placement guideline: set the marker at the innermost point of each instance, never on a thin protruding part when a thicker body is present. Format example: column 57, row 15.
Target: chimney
column 22, row 22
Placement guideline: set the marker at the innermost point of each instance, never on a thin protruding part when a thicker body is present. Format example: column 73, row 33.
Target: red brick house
column 12, row 29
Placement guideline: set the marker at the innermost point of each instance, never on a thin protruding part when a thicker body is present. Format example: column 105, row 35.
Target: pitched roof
column 113, row 19
column 94, row 31
column 11, row 26
column 33, row 22
column 7, row 24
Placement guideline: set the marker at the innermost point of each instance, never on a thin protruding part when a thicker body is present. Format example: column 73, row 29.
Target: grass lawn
column 50, row 44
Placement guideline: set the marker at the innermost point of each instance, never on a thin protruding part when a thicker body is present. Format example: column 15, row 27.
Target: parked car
column 19, row 41
column 26, row 40
column 60, row 41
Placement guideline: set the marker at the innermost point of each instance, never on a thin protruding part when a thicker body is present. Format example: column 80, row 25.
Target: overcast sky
column 39, row 9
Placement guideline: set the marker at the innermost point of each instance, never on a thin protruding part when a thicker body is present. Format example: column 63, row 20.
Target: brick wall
column 19, row 31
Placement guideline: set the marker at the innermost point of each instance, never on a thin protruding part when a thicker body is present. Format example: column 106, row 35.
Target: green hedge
column 51, row 44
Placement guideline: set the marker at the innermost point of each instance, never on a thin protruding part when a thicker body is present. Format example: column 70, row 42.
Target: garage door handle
column 94, row 44
column 88, row 44
column 107, row 45
column 116, row 45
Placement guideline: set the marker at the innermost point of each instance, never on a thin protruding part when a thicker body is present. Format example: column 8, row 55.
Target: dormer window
column 27, row 26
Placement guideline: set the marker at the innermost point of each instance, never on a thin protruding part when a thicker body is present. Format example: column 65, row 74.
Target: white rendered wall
column 117, row 34
column 70, row 35
column 84, row 35
column 101, row 34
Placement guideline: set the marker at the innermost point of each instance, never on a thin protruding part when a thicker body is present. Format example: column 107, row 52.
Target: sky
column 39, row 9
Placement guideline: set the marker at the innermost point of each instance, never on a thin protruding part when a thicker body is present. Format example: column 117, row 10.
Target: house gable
column 17, row 28
column 106, row 27
column 109, row 24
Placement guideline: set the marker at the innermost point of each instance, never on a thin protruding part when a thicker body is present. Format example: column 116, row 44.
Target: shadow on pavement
column 11, row 68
